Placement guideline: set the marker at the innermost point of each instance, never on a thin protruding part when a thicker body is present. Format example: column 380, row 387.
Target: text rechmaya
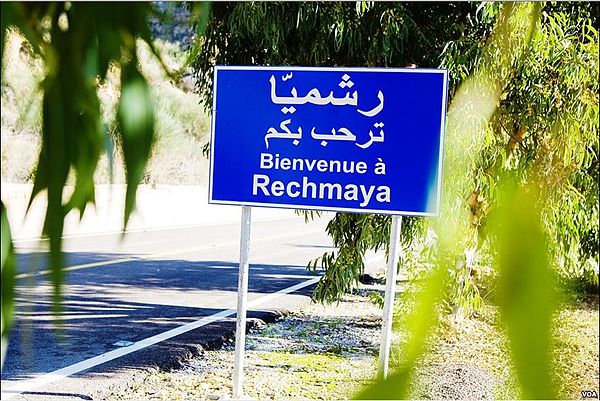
column 307, row 189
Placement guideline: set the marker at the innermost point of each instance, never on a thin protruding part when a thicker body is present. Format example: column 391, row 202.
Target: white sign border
column 443, row 71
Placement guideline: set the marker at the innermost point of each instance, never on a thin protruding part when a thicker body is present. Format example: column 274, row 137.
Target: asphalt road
column 141, row 287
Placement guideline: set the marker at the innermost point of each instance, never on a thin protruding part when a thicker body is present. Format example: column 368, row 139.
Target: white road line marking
column 158, row 255
column 32, row 384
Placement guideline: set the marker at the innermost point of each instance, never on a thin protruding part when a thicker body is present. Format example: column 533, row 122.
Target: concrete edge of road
column 149, row 229
column 158, row 207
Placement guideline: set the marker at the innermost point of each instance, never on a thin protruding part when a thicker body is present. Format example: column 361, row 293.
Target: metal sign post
column 390, row 292
column 240, row 327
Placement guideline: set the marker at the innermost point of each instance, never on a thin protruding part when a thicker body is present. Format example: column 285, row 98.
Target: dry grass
column 181, row 124
column 481, row 341
column 577, row 345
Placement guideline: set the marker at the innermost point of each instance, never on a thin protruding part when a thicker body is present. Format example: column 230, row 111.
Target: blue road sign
column 342, row 139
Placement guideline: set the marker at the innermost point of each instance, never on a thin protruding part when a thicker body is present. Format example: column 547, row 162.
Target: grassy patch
column 476, row 340
column 319, row 353
column 576, row 346
column 313, row 376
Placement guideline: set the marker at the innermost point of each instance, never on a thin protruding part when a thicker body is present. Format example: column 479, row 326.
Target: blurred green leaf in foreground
column 78, row 44
column 527, row 291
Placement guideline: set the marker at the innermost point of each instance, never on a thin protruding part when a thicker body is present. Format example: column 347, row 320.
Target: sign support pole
column 390, row 292
column 240, row 327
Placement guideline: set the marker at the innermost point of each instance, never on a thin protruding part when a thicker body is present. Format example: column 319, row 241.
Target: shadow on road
column 131, row 301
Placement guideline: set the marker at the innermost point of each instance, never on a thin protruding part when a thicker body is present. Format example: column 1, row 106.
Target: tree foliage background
column 520, row 186
column 544, row 127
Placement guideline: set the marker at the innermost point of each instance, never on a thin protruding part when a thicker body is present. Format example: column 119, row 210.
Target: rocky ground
column 318, row 352
column 315, row 353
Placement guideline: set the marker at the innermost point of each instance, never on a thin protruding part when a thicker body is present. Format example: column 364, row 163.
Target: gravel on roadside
column 320, row 353
column 317, row 352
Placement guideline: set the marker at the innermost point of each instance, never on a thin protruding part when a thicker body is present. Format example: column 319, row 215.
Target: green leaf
column 54, row 163
column 87, row 147
column 200, row 14
column 526, row 289
column 109, row 45
column 7, row 278
column 135, row 116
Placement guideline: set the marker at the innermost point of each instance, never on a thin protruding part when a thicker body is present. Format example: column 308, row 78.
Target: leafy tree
column 336, row 34
column 331, row 34
column 545, row 130
column 529, row 128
